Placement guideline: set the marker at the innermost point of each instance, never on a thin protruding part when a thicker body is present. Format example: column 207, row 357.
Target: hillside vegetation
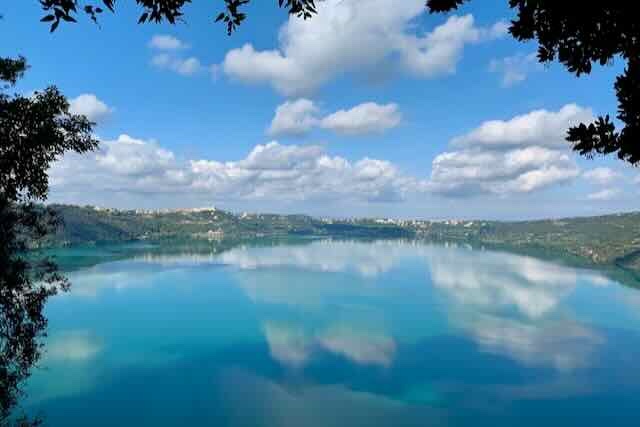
column 611, row 240
column 82, row 225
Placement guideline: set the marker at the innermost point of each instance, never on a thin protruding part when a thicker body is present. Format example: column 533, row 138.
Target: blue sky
column 383, row 110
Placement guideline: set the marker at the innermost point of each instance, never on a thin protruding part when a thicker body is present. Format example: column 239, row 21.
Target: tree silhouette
column 34, row 132
column 575, row 33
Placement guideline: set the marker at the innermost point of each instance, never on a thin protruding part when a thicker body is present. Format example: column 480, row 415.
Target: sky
column 371, row 108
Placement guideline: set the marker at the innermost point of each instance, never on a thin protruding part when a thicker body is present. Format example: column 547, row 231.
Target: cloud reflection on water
column 292, row 345
column 72, row 346
column 508, row 304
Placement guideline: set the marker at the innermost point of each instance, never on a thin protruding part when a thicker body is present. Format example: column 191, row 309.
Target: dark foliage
column 579, row 34
column 162, row 10
column 34, row 132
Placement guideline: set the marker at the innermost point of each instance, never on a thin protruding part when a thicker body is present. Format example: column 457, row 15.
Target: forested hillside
column 612, row 240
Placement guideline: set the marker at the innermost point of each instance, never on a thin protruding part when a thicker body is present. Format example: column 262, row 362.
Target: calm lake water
column 329, row 333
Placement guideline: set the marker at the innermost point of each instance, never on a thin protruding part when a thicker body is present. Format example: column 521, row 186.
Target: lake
column 337, row 333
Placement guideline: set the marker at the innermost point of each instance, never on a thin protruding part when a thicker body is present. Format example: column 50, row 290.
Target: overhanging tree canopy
column 34, row 131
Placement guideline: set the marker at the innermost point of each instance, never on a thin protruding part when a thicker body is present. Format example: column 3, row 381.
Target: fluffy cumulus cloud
column 183, row 66
column 125, row 164
column 271, row 171
column 520, row 155
column 128, row 156
column 169, row 57
column 364, row 118
column 89, row 105
column 539, row 127
column 294, row 118
column 515, row 69
column 526, row 153
column 476, row 171
column 299, row 173
column 166, row 42
column 300, row 116
column 347, row 36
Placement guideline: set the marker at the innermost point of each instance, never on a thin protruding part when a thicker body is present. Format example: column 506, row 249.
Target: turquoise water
column 339, row 334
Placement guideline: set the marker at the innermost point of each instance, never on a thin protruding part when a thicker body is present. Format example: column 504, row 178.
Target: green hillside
column 87, row 225
column 604, row 241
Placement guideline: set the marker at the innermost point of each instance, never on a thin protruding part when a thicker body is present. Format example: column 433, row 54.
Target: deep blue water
column 340, row 334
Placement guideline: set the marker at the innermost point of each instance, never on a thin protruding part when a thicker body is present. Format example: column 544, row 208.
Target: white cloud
column 293, row 172
column 476, row 171
column 601, row 175
column 604, row 195
column 183, row 66
column 515, row 69
column 294, row 118
column 364, row 118
column 520, row 155
column 539, row 127
column 171, row 60
column 300, row 116
column 271, row 171
column 89, row 105
column 347, row 37
column 166, row 42
column 130, row 156
column 123, row 165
